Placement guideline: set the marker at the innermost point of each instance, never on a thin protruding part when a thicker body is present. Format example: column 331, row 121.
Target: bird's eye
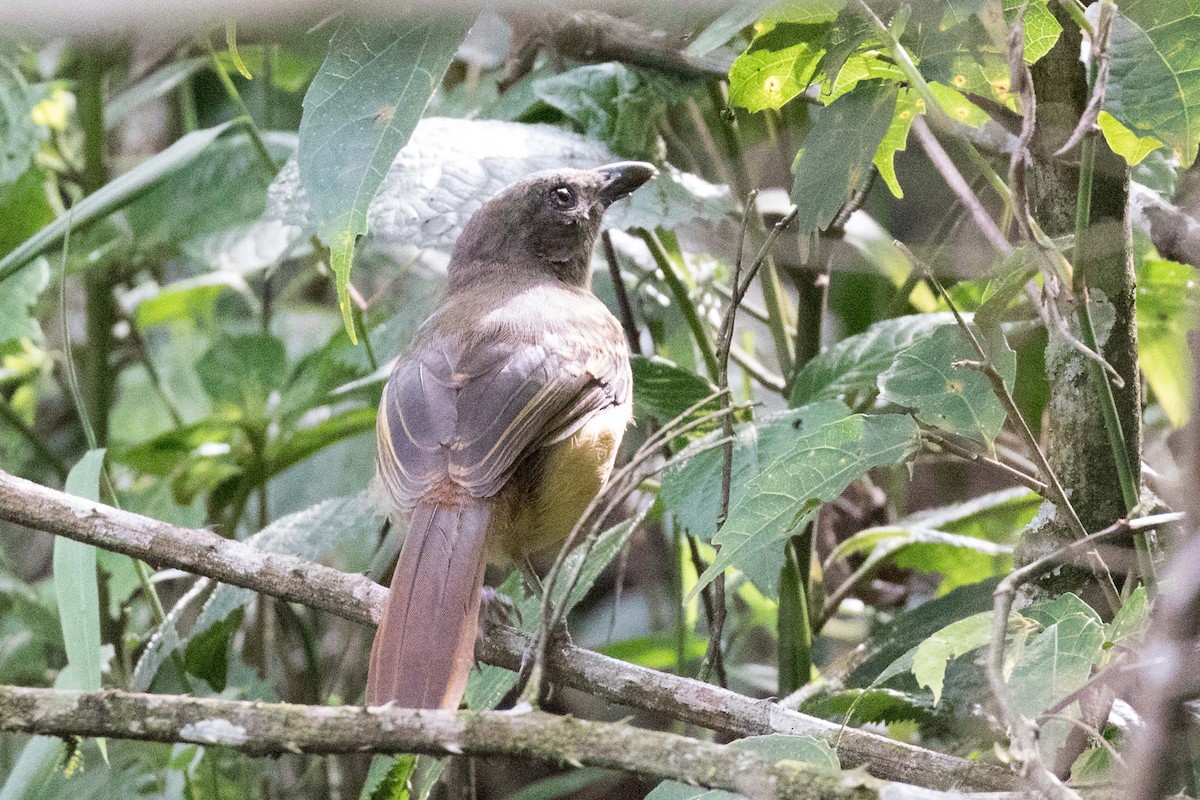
column 562, row 196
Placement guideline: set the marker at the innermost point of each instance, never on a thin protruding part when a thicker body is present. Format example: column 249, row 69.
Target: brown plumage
column 501, row 423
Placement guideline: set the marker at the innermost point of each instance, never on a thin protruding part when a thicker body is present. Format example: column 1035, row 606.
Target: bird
column 501, row 422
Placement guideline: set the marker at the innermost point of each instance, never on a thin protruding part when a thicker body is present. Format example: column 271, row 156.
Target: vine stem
column 688, row 308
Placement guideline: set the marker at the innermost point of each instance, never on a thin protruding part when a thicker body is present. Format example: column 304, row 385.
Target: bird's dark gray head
column 547, row 221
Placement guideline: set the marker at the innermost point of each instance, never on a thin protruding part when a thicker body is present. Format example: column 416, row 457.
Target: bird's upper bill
column 622, row 178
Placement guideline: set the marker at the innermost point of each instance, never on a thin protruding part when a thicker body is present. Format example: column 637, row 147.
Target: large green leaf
column 805, row 458
column 956, row 399
column 227, row 187
column 959, row 638
column 241, row 371
column 852, row 366
column 1154, row 72
column 359, row 111
column 18, row 134
column 1167, row 305
column 777, row 66
column 612, row 103
column 838, row 151
column 115, row 194
column 1056, row 662
column 75, row 583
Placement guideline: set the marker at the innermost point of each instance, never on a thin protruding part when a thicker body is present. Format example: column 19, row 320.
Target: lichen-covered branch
column 357, row 598
column 278, row 728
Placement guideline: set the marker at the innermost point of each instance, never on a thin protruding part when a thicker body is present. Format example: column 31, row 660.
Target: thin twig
column 950, row 446
column 10, row 416
column 623, row 305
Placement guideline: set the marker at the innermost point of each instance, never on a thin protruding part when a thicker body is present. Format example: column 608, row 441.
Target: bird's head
column 548, row 221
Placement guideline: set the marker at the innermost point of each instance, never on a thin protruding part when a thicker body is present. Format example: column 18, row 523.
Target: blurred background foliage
column 181, row 238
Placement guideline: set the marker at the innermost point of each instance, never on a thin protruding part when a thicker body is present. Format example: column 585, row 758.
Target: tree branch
column 357, row 598
column 278, row 728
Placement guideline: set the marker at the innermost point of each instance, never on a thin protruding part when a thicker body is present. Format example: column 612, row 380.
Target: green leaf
column 612, row 103
column 838, row 151
column 965, row 542
column 959, row 638
column 227, row 187
column 1124, row 142
column 596, row 560
column 75, row 584
column 805, row 458
column 242, row 371
column 911, row 627
column 662, row 391
column 908, row 105
column 187, row 300
column 17, row 295
column 957, row 106
column 877, row 704
column 1056, row 662
column 1042, row 29
column 1167, row 304
column 803, row 12
column 1130, row 620
column 777, row 66
column 392, row 784
column 777, row 747
column 956, row 399
column 24, row 208
column 18, row 133
column 852, row 366
column 114, row 195
column 207, row 654
column 359, row 111
column 1154, row 72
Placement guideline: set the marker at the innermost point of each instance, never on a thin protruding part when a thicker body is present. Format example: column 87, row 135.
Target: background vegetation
column 909, row 305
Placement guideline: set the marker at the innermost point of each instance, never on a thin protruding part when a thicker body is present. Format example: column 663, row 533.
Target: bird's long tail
column 424, row 646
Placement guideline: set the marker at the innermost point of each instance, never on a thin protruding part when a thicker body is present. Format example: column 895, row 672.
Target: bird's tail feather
column 424, row 646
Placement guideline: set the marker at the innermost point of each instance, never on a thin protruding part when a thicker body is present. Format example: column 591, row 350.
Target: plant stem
column 10, row 415
column 688, row 308
column 251, row 126
column 628, row 322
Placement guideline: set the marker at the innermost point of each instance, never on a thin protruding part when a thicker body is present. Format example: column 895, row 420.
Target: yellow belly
column 539, row 510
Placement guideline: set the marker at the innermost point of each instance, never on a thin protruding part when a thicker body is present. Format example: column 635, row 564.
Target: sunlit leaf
column 777, row 66
column 18, row 134
column 1124, row 142
column 908, row 105
column 1167, row 305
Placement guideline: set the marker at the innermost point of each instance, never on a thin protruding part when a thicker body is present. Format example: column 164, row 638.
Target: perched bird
column 501, row 423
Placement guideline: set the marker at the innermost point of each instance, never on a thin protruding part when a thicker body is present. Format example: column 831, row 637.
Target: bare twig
column 1100, row 65
column 950, row 446
column 626, row 308
column 357, row 598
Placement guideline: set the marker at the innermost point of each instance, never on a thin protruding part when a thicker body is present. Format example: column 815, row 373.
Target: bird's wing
column 470, row 408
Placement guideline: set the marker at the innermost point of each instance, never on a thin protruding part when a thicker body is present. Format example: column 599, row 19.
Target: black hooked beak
column 622, row 178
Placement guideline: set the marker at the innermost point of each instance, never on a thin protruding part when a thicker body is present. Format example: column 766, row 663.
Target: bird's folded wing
column 472, row 411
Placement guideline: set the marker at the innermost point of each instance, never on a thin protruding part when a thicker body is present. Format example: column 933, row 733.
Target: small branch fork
column 359, row 599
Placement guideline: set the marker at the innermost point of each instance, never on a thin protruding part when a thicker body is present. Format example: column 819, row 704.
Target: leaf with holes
column 778, row 66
